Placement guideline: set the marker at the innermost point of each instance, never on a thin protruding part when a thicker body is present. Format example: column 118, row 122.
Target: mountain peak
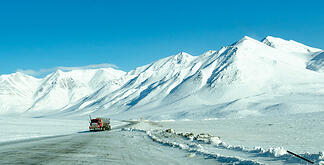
column 246, row 40
column 182, row 57
column 271, row 38
column 16, row 75
column 288, row 45
column 58, row 72
column 183, row 54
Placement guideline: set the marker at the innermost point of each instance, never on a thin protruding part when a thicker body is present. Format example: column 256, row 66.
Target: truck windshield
column 94, row 121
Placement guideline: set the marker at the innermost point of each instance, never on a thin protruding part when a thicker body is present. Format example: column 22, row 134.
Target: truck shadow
column 84, row 131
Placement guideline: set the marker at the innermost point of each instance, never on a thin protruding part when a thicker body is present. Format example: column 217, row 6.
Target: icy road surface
column 108, row 147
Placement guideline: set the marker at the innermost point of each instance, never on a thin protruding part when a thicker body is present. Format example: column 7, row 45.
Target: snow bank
column 193, row 148
column 211, row 146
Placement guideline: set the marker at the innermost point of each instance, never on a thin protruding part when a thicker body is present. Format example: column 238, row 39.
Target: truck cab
column 99, row 124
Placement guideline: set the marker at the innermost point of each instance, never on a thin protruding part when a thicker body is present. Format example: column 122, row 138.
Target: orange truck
column 99, row 124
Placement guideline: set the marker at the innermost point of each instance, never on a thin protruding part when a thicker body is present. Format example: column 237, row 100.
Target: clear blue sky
column 128, row 33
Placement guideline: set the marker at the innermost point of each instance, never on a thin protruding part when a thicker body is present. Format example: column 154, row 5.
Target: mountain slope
column 62, row 89
column 215, row 81
column 141, row 86
column 16, row 91
column 317, row 62
column 248, row 77
column 58, row 90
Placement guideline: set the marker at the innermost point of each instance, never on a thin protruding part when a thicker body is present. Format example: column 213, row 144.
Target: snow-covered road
column 108, row 147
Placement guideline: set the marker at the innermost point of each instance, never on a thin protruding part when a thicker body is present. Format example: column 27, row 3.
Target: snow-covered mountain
column 62, row 89
column 58, row 90
column 248, row 77
column 16, row 92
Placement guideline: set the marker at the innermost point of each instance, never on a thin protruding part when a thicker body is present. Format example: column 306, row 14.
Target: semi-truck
column 99, row 124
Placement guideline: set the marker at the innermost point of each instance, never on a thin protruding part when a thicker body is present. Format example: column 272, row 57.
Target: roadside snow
column 258, row 140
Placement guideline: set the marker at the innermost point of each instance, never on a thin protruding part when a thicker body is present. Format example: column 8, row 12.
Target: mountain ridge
column 247, row 67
